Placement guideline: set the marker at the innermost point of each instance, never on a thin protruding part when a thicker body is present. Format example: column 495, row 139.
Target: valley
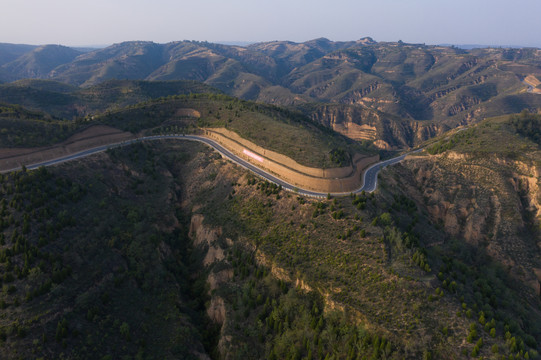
column 407, row 93
column 281, row 200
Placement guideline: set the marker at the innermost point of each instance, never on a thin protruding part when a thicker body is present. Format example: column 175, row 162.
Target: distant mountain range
column 484, row 46
column 419, row 90
column 167, row 250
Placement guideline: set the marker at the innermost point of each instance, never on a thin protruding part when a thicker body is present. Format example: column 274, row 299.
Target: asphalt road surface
column 370, row 176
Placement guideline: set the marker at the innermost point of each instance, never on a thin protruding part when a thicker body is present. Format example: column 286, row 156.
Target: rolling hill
column 164, row 249
column 167, row 250
column 39, row 62
column 10, row 52
column 70, row 102
column 422, row 90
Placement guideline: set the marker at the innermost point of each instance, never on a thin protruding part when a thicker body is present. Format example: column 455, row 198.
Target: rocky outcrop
column 278, row 272
column 216, row 279
column 528, row 182
column 201, row 234
column 360, row 123
column 486, row 202
column 206, row 237
column 356, row 96
column 216, row 310
column 462, row 105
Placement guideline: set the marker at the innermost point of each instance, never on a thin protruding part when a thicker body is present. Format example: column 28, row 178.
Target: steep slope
column 443, row 85
column 339, row 278
column 10, row 52
column 233, row 69
column 128, row 60
column 20, row 127
column 481, row 186
column 39, row 62
column 434, row 87
column 125, row 287
column 362, row 123
column 290, row 55
column 507, row 182
column 272, row 128
column 284, row 137
column 69, row 102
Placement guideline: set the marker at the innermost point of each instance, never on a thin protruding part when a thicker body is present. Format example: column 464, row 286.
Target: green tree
column 385, row 219
column 125, row 330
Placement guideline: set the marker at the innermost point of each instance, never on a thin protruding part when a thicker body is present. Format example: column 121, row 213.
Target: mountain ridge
column 430, row 86
column 164, row 249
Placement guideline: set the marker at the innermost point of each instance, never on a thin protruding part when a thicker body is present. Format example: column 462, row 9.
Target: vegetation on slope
column 23, row 128
column 354, row 277
column 397, row 274
column 513, row 136
column 413, row 82
column 364, row 255
column 69, row 102
column 528, row 125
column 274, row 128
column 483, row 190
column 95, row 266
column 39, row 62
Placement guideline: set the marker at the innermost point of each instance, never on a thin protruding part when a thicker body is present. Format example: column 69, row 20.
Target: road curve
column 530, row 86
column 370, row 175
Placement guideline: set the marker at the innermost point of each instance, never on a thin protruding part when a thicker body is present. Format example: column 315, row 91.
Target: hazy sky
column 93, row 22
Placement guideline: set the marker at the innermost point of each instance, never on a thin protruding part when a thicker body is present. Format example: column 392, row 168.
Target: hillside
column 210, row 246
column 110, row 292
column 164, row 249
column 481, row 186
column 10, row 52
column 43, row 85
column 117, row 104
column 496, row 162
column 21, row 127
column 273, row 128
column 454, row 232
column 39, row 62
column 70, row 102
column 419, row 90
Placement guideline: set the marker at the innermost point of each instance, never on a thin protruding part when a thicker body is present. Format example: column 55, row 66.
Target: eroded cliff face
column 206, row 239
column 492, row 203
column 387, row 132
column 527, row 181
column 211, row 185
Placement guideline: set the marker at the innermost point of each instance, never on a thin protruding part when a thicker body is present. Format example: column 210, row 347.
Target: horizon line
column 462, row 45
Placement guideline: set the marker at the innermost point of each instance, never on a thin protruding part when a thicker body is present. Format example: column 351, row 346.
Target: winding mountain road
column 532, row 88
column 370, row 176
